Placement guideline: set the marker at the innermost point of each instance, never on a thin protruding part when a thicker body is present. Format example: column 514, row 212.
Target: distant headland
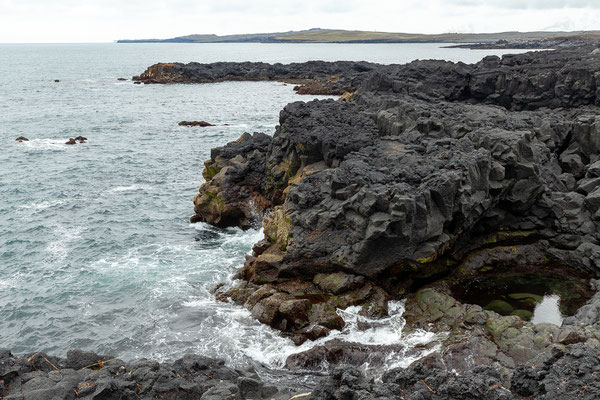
column 469, row 40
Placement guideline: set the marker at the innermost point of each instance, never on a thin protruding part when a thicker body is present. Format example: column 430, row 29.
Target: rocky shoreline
column 422, row 180
column 567, row 372
column 313, row 77
column 433, row 174
column 85, row 375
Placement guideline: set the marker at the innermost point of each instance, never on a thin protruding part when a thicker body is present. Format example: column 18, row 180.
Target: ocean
column 96, row 248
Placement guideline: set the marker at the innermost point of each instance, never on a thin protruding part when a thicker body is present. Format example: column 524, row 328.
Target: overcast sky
column 108, row 20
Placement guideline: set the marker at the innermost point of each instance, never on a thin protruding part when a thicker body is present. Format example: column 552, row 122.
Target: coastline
column 528, row 132
column 315, row 259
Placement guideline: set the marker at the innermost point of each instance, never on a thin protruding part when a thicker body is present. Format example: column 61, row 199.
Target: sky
column 42, row 21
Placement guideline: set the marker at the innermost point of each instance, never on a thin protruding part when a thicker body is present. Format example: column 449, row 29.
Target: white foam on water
column 10, row 282
column 238, row 337
column 229, row 331
column 38, row 207
column 129, row 188
column 64, row 236
column 45, row 144
column 548, row 311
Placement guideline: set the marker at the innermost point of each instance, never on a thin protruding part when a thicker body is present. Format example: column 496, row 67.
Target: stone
column 338, row 283
column 525, row 315
column 22, row 139
column 195, row 123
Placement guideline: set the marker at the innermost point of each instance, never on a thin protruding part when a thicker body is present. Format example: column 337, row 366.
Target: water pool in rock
column 540, row 294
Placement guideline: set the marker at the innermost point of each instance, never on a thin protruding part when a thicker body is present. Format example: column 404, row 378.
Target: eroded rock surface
column 312, row 77
column 566, row 373
column 91, row 376
column 432, row 169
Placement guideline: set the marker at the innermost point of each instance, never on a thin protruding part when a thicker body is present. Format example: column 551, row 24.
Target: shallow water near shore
column 96, row 251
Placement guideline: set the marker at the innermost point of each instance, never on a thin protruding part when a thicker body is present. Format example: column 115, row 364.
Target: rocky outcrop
column 570, row 372
column 78, row 139
column 91, row 376
column 234, row 175
column 313, row 77
column 433, row 172
column 432, row 162
column 195, row 123
column 22, row 139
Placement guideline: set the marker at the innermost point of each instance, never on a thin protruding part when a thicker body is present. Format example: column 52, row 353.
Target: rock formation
column 22, row 139
column 91, row 376
column 432, row 172
column 195, row 123
column 313, row 77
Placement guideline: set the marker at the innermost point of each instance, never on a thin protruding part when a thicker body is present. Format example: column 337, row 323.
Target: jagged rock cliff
column 432, row 173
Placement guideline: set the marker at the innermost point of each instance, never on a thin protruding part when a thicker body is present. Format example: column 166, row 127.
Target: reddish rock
column 71, row 141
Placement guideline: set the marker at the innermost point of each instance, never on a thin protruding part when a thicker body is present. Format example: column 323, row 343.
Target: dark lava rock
column 57, row 80
column 22, row 139
column 571, row 373
column 81, row 139
column 88, row 375
column 71, row 141
column 195, row 123
column 433, row 173
column 384, row 186
column 240, row 162
column 121, row 79
column 416, row 382
column 312, row 77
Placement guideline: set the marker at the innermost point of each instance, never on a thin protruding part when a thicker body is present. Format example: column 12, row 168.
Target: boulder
column 195, row 123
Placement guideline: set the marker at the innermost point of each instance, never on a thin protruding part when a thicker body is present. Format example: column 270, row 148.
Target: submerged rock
column 71, row 141
column 195, row 123
column 22, row 139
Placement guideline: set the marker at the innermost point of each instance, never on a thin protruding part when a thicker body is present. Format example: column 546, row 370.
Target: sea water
column 96, row 251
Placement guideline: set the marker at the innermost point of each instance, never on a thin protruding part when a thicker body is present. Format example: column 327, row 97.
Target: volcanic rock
column 22, row 139
column 313, row 77
column 71, row 141
column 195, row 123
column 88, row 375
column 434, row 171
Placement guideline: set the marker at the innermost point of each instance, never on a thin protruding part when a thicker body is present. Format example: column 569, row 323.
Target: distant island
column 470, row 40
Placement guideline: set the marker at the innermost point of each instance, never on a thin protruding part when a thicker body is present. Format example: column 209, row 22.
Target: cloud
column 107, row 20
column 527, row 4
